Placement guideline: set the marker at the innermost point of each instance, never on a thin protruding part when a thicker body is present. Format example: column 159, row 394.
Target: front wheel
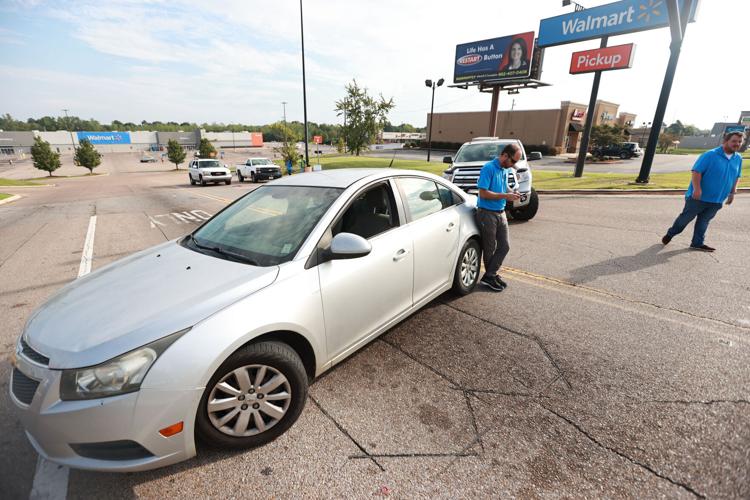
column 467, row 269
column 202, row 180
column 528, row 211
column 228, row 182
column 252, row 178
column 192, row 181
column 254, row 397
column 624, row 155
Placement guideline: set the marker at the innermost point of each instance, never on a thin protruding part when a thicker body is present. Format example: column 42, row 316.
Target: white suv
column 465, row 167
column 205, row 170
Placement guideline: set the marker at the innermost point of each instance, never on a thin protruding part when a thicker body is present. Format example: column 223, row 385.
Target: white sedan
column 217, row 335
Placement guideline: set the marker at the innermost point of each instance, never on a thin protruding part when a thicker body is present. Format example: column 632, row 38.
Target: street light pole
column 304, row 84
column 432, row 85
column 67, row 123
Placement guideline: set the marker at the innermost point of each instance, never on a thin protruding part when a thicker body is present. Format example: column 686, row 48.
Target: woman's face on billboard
column 516, row 52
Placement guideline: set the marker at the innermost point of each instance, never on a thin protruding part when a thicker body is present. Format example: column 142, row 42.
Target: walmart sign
column 105, row 137
column 612, row 19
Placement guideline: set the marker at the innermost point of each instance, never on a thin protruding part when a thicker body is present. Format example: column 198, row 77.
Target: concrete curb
column 623, row 192
column 12, row 198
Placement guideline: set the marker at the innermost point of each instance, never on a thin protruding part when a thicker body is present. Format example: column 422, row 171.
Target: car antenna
column 392, row 158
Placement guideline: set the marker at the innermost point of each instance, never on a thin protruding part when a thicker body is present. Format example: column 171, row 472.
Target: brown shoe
column 703, row 248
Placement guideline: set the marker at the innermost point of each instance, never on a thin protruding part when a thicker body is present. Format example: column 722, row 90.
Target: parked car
column 535, row 155
column 216, row 336
column 624, row 150
column 205, row 170
column 148, row 159
column 258, row 169
column 465, row 167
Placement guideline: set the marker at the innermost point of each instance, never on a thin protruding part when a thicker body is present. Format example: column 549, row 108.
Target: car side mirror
column 448, row 159
column 348, row 246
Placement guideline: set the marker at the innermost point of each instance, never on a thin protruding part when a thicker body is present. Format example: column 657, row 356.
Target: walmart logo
column 652, row 9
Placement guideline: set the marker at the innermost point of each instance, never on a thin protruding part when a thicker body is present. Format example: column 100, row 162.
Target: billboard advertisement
column 618, row 18
column 504, row 58
column 603, row 59
column 105, row 137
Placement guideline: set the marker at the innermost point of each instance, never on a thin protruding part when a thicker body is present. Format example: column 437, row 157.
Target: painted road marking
column 88, row 249
column 196, row 216
column 213, row 197
column 51, row 479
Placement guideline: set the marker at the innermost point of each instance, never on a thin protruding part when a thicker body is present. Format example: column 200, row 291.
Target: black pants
column 495, row 244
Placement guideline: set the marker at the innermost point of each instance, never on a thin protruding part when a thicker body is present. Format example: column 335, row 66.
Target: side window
column 371, row 213
column 447, row 197
column 421, row 196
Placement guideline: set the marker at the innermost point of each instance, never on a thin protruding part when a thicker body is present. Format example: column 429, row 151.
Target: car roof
column 343, row 177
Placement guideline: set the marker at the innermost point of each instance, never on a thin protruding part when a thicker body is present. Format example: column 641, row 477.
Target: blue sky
column 236, row 60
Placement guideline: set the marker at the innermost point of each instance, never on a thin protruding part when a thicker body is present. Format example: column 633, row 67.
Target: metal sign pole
column 678, row 26
column 493, row 111
column 589, row 118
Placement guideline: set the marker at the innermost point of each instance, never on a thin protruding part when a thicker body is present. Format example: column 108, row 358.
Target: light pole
column 67, row 124
column 432, row 85
column 578, row 6
column 304, row 85
column 643, row 131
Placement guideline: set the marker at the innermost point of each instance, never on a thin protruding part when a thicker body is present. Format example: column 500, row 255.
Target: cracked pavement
column 611, row 367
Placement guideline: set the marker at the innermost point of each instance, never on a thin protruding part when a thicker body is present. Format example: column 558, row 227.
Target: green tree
column 605, row 135
column 175, row 153
column 365, row 116
column 87, row 156
column 676, row 129
column 288, row 138
column 206, row 149
column 340, row 145
column 43, row 156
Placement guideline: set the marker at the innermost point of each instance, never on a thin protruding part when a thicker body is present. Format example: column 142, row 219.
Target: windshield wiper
column 221, row 251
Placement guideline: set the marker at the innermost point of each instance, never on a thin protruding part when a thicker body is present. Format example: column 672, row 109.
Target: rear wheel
column 254, row 397
column 624, row 155
column 528, row 211
column 467, row 269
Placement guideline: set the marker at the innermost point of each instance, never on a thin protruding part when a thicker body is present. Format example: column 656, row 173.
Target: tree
column 206, row 149
column 365, row 116
column 87, row 156
column 175, row 153
column 666, row 141
column 340, row 146
column 43, row 156
column 605, row 135
column 288, row 138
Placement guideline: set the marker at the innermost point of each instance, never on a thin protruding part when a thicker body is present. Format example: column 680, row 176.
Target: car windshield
column 481, row 151
column 266, row 227
column 262, row 161
column 209, row 164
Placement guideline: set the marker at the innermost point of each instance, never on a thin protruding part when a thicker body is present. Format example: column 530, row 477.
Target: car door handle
column 400, row 255
column 450, row 227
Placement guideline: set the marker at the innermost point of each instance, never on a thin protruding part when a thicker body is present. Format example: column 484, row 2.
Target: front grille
column 31, row 354
column 466, row 178
column 24, row 387
column 112, row 450
column 218, row 173
column 270, row 170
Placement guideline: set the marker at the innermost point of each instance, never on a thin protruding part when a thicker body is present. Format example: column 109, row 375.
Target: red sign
column 318, row 139
column 608, row 58
column 256, row 139
column 577, row 115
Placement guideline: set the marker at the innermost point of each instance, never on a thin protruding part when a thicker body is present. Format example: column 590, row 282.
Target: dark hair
column 509, row 150
column 524, row 50
column 729, row 135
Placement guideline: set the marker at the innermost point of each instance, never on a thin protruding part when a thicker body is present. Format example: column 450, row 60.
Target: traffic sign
column 602, row 59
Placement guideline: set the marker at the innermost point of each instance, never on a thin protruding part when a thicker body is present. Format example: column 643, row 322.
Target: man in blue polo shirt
column 493, row 194
column 714, row 180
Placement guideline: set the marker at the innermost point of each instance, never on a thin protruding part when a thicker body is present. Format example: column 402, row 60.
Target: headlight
column 117, row 376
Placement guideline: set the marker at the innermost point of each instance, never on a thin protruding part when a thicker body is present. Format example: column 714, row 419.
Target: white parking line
column 88, row 249
column 50, row 479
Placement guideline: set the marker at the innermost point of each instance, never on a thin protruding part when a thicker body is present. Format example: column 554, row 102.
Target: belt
column 493, row 211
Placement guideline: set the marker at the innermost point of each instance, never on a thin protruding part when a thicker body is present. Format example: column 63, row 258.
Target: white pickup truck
column 258, row 169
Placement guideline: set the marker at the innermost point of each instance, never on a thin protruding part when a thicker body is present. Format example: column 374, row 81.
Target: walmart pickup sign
column 612, row 19
column 105, row 137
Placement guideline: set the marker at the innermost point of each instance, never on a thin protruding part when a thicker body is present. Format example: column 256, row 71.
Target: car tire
column 228, row 182
column 202, row 180
column 624, row 156
column 466, row 276
column 252, row 177
column 278, row 359
column 192, row 181
column 528, row 211
column 239, row 177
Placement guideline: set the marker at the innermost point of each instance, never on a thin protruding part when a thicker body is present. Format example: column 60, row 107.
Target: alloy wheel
column 469, row 267
column 249, row 400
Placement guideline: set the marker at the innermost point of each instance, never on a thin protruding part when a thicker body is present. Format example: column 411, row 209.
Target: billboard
column 504, row 58
column 602, row 59
column 619, row 18
column 105, row 137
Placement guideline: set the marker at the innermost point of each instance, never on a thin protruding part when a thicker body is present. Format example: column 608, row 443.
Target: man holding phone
column 491, row 218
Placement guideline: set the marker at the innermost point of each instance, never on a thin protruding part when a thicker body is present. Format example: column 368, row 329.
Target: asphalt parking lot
column 611, row 367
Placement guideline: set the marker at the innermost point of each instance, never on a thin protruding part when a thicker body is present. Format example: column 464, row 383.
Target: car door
column 434, row 226
column 361, row 295
column 191, row 170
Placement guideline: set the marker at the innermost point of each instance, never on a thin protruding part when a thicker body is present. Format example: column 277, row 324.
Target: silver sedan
column 216, row 336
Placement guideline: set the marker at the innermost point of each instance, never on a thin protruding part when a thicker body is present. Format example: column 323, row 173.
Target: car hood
column 137, row 300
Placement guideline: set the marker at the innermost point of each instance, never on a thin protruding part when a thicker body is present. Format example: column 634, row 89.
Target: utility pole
column 283, row 103
column 678, row 22
column 67, row 123
column 304, row 85
column 431, row 84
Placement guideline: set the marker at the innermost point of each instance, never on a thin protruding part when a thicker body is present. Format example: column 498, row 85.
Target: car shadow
column 646, row 258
